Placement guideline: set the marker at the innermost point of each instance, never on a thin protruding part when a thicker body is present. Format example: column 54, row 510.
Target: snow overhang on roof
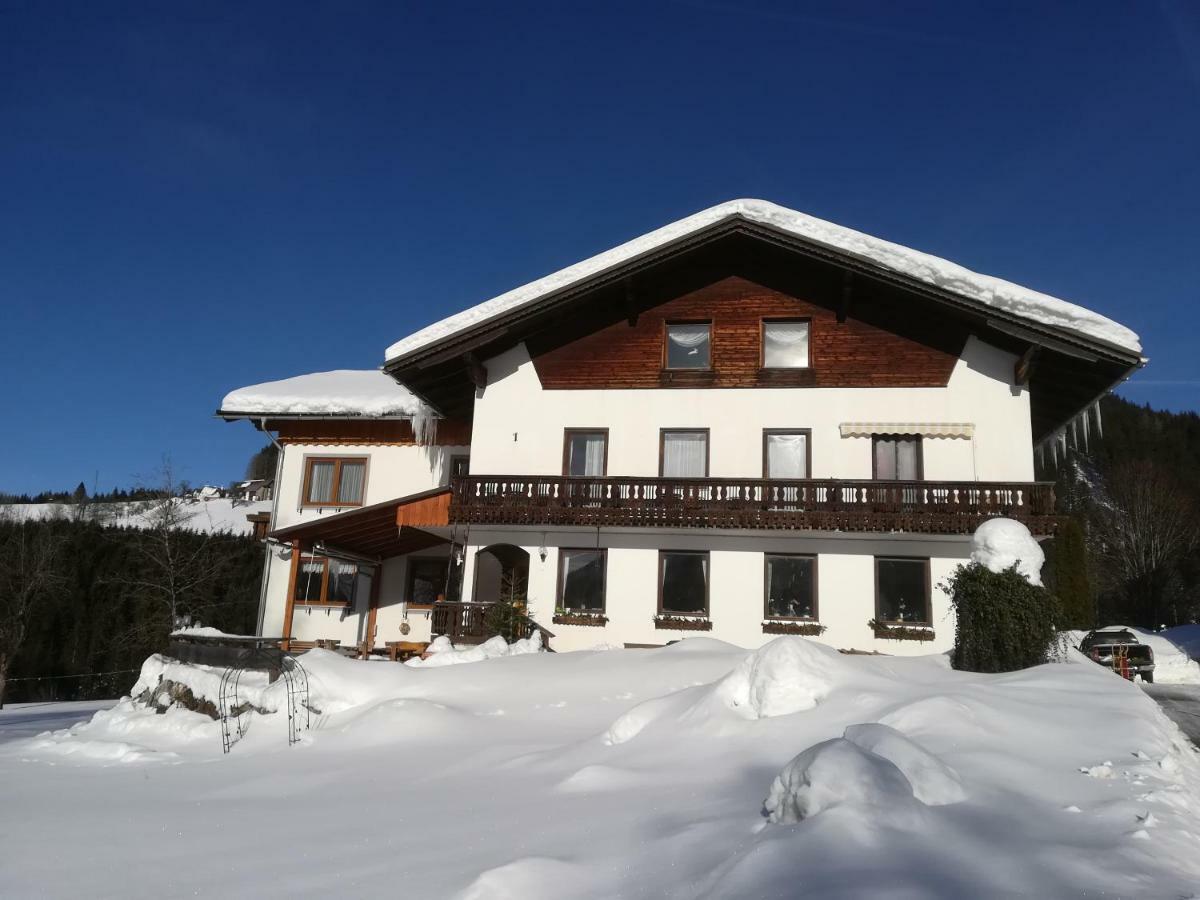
column 1008, row 300
column 342, row 393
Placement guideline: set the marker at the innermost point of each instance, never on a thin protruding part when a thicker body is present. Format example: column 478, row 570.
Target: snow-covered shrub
column 1002, row 621
column 933, row 782
column 1000, row 544
column 785, row 676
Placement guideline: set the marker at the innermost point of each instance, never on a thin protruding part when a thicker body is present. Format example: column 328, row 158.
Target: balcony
column 846, row 505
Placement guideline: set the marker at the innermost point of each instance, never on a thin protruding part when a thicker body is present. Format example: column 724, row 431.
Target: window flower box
column 569, row 617
column 810, row 629
column 682, row 623
column 887, row 632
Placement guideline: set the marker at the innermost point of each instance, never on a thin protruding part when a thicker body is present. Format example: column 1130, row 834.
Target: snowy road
column 22, row 720
column 1181, row 702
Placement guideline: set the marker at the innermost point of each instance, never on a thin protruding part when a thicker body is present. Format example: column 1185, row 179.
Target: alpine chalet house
column 747, row 423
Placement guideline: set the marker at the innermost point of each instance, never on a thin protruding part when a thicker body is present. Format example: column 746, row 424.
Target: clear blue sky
column 194, row 199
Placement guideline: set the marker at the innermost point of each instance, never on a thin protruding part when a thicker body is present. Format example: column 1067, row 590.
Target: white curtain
column 350, row 488
column 309, row 579
column 685, row 455
column 688, row 345
column 787, row 456
column 320, row 486
column 785, row 345
column 587, row 456
column 907, row 457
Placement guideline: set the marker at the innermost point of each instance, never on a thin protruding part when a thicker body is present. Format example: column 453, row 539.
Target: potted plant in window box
column 589, row 618
column 682, row 623
column 900, row 632
column 808, row 629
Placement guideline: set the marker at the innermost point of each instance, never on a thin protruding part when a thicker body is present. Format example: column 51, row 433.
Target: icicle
column 1075, row 432
column 1054, row 450
column 1041, row 456
column 1086, row 422
column 1099, row 422
column 424, row 426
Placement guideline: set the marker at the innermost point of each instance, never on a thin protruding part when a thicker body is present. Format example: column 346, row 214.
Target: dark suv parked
column 1120, row 650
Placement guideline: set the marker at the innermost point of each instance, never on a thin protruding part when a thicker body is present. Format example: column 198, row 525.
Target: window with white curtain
column 684, row 454
column 321, row 580
column 334, row 481
column 897, row 457
column 786, row 454
column 581, row 580
column 785, row 345
column 689, row 346
column 585, row 454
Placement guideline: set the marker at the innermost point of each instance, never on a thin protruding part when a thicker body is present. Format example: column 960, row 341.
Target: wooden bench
column 398, row 651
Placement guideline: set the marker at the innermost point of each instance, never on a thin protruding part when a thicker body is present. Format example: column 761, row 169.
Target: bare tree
column 177, row 563
column 1143, row 527
column 30, row 554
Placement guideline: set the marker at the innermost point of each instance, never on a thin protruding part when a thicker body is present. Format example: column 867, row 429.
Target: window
column 786, row 454
column 330, row 481
column 581, row 580
column 902, row 590
column 459, row 466
column 689, row 345
column 791, row 587
column 426, row 581
column 683, row 583
column 785, row 344
column 897, row 457
column 683, row 454
column 585, row 452
column 325, row 581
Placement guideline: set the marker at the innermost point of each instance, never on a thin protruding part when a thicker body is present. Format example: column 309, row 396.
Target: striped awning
column 926, row 429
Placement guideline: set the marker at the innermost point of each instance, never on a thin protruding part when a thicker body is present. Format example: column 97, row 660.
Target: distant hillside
column 215, row 515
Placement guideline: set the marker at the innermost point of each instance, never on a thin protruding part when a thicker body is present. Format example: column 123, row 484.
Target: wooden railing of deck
column 928, row 507
column 466, row 623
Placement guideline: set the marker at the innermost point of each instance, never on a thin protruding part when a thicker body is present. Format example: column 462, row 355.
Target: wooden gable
column 852, row 352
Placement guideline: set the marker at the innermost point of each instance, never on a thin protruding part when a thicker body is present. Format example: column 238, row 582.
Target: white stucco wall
column 979, row 392
column 845, row 584
column 392, row 471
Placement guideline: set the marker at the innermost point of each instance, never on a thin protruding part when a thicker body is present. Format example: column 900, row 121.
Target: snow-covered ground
column 217, row 514
column 24, row 720
column 695, row 770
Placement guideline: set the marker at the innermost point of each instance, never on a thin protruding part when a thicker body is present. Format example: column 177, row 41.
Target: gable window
column 785, row 344
column 786, row 453
column 902, row 590
column 791, row 587
column 334, row 481
column 683, row 454
column 581, row 580
column 324, row 581
column 689, row 345
column 426, row 581
column 897, row 457
column 683, row 583
column 585, row 452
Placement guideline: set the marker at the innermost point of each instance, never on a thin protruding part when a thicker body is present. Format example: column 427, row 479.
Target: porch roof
column 391, row 528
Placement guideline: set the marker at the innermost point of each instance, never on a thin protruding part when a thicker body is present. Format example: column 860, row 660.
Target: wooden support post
column 631, row 313
column 1024, row 367
column 847, row 295
column 369, row 640
column 475, row 370
column 290, row 606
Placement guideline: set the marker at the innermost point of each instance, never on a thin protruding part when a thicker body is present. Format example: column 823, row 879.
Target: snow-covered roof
column 987, row 290
column 344, row 392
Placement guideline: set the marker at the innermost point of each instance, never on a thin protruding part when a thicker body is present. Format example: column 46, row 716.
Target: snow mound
column 1185, row 637
column 442, row 653
column 343, row 392
column 985, row 290
column 929, row 715
column 835, row 773
column 530, row 876
column 933, row 782
column 999, row 544
column 788, row 675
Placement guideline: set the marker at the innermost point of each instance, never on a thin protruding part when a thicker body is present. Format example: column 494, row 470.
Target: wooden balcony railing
column 466, row 623
column 927, row 507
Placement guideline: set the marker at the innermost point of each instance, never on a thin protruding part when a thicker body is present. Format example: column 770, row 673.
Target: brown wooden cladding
column 450, row 432
column 853, row 353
